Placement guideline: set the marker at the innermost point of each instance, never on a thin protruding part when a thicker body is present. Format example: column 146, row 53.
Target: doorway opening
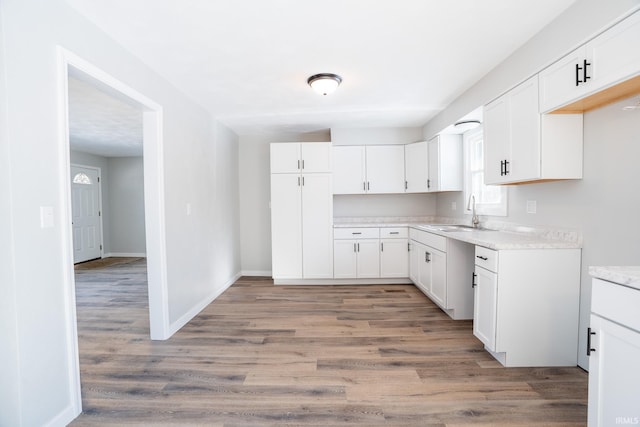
column 73, row 67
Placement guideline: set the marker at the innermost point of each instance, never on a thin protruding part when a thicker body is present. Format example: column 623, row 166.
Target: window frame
column 482, row 208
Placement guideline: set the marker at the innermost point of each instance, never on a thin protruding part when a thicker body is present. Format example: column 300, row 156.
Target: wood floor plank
column 265, row 355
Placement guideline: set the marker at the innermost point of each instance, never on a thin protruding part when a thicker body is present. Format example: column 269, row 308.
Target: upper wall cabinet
column 373, row 169
column 301, row 157
column 521, row 145
column 609, row 64
column 445, row 163
column 416, row 162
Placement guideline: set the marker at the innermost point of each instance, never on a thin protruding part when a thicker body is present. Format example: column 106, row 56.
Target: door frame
column 99, row 169
column 153, row 161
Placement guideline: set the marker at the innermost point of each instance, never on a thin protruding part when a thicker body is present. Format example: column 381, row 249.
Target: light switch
column 46, row 216
column 454, row 206
column 532, row 206
column 188, row 209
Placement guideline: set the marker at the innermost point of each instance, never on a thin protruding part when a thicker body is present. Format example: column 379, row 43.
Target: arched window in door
column 82, row 178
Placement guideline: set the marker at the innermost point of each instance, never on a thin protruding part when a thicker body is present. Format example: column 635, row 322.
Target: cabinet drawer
column 356, row 233
column 487, row 258
column 394, row 232
column 616, row 302
column 429, row 239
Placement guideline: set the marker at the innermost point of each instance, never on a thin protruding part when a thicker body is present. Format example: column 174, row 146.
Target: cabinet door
column 415, row 260
column 385, row 169
column 425, row 269
column 286, row 226
column 317, row 226
column 285, row 157
column 438, row 260
column 614, row 377
column 433, row 182
column 496, row 140
column 394, row 258
column 315, row 157
column 485, row 306
column 349, row 170
column 614, row 55
column 368, row 258
column 416, row 165
column 558, row 81
column 344, row 259
column 524, row 118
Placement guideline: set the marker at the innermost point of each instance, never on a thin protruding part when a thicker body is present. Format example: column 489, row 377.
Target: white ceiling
column 247, row 61
column 102, row 124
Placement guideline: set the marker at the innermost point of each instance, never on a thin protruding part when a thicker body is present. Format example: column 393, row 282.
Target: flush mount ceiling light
column 324, row 83
column 465, row 125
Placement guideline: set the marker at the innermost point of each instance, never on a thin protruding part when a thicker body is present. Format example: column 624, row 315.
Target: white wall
column 125, row 207
column 38, row 368
column 602, row 205
column 9, row 355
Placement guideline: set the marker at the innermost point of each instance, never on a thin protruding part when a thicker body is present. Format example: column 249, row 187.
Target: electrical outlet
column 454, row 206
column 532, row 206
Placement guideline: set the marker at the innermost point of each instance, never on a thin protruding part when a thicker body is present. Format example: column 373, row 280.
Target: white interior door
column 86, row 215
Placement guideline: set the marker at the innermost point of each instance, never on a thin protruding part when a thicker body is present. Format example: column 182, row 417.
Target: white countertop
column 623, row 275
column 498, row 237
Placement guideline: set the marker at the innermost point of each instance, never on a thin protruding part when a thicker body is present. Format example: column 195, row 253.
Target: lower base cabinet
column 614, row 351
column 371, row 253
column 441, row 268
column 526, row 304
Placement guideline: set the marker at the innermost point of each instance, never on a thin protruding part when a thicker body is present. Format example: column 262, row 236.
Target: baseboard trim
column 379, row 281
column 261, row 273
column 63, row 418
column 125, row 255
column 185, row 318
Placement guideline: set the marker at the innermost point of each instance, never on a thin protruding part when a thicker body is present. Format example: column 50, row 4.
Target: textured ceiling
column 102, row 124
column 247, row 61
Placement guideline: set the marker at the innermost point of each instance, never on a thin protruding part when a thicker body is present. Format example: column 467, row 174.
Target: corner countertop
column 492, row 235
column 623, row 275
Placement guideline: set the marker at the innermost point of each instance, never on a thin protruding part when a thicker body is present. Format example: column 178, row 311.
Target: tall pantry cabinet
column 301, row 211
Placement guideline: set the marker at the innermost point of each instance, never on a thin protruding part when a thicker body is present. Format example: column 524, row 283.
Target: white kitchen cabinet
column 441, row 268
column 368, row 259
column 416, row 162
column 609, row 59
column 286, row 226
column 445, row 163
column 394, row 252
column 526, row 305
column 484, row 308
column 301, row 157
column 349, row 170
column 521, row 145
column 317, row 226
column 301, row 213
column 614, row 350
column 356, row 253
column 375, row 169
column 385, row 169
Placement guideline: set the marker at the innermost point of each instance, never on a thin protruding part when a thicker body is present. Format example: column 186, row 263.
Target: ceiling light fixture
column 465, row 125
column 324, row 83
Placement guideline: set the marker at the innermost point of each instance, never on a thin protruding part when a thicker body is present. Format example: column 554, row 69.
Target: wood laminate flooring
column 265, row 355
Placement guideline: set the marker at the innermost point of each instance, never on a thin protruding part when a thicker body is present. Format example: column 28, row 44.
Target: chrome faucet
column 471, row 206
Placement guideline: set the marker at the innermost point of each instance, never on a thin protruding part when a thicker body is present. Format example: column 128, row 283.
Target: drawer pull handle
column 589, row 349
column 484, row 258
column 357, row 232
column 473, row 280
column 394, row 232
